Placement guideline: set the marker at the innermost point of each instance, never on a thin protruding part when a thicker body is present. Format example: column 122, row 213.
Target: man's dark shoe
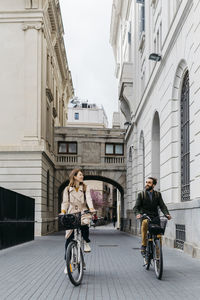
column 143, row 250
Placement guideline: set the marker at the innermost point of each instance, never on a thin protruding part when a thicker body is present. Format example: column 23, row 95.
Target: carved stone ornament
column 38, row 26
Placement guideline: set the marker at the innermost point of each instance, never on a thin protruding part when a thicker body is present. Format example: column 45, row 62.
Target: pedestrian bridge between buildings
column 99, row 152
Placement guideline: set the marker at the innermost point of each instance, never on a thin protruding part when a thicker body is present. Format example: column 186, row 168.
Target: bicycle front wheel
column 158, row 258
column 74, row 263
column 148, row 256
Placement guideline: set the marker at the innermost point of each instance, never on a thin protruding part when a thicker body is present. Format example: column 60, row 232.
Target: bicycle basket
column 155, row 229
column 70, row 221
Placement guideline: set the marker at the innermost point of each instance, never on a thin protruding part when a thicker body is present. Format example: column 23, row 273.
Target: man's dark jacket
column 144, row 205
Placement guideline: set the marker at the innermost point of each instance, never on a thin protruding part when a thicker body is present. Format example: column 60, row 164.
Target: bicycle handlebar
column 145, row 216
column 87, row 211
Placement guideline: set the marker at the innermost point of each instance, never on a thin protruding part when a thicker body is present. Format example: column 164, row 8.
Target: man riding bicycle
column 148, row 202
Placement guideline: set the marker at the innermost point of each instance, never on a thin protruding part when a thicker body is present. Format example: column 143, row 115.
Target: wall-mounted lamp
column 155, row 57
column 127, row 124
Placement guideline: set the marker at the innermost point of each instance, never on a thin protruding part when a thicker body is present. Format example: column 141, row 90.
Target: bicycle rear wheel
column 158, row 258
column 74, row 263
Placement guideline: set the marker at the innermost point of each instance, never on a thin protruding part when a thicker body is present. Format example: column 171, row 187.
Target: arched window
column 130, row 155
column 130, row 177
column 142, row 159
column 48, row 188
column 156, row 148
column 185, row 140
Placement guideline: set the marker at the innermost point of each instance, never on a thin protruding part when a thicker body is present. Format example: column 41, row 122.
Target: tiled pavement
column 114, row 271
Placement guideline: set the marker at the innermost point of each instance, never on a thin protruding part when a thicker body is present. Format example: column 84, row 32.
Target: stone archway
column 105, row 179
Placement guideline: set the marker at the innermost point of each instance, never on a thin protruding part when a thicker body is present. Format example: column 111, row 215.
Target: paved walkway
column 114, row 271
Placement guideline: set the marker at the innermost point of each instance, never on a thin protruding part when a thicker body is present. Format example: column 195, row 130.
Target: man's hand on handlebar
column 168, row 217
column 139, row 216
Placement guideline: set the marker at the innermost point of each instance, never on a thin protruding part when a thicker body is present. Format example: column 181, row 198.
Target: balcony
column 126, row 75
column 119, row 160
column 126, row 89
column 72, row 160
column 69, row 159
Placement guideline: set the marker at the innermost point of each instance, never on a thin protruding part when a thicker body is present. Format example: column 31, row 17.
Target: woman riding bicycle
column 76, row 198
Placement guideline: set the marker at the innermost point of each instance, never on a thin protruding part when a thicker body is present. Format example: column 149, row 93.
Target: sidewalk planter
column 16, row 218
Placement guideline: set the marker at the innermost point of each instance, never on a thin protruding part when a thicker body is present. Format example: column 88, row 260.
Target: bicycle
column 74, row 254
column 154, row 244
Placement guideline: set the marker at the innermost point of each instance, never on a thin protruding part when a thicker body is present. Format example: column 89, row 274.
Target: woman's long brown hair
column 72, row 179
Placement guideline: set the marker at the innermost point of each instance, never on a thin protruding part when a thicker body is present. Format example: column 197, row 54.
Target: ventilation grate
column 180, row 236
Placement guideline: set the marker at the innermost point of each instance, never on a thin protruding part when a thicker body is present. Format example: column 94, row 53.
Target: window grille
column 185, row 140
column 180, row 236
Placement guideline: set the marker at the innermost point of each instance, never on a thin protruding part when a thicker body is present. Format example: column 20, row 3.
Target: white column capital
column 36, row 26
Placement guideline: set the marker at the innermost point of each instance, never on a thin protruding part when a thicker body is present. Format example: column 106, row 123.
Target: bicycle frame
column 74, row 256
column 154, row 252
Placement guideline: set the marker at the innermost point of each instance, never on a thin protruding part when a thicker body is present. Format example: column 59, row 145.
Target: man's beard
column 149, row 188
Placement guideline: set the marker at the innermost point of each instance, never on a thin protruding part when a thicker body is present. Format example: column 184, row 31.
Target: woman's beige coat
column 74, row 202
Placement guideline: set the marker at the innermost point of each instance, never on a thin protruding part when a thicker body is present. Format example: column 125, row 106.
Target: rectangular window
column 114, row 149
column 142, row 18
column 119, row 149
column 109, row 149
column 67, row 147
column 84, row 105
column 76, row 116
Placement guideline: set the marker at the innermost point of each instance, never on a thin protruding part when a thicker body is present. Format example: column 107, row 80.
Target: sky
column 89, row 53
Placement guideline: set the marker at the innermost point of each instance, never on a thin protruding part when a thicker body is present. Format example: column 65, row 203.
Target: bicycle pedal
column 144, row 265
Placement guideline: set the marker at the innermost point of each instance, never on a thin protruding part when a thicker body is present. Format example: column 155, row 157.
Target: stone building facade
column 36, row 86
column 158, row 96
column 100, row 153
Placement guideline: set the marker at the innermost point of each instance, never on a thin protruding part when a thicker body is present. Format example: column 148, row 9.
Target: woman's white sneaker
column 87, row 247
column 65, row 270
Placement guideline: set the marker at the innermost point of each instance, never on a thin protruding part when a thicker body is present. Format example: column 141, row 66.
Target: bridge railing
column 67, row 159
column 114, row 160
column 74, row 159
